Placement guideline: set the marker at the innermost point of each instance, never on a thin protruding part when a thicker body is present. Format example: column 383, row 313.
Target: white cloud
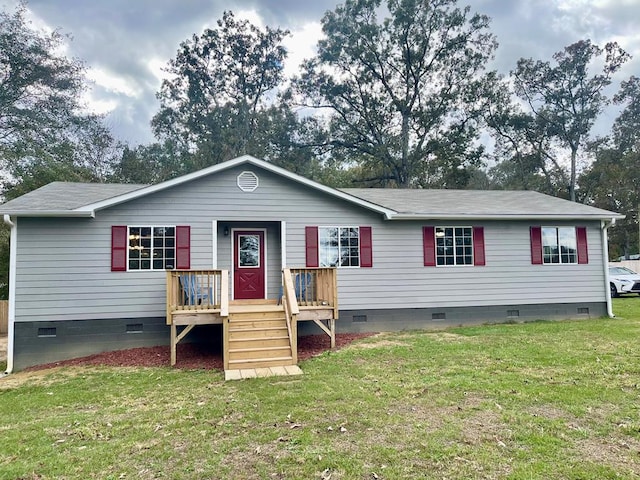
column 100, row 106
column 156, row 66
column 113, row 83
column 301, row 45
column 251, row 16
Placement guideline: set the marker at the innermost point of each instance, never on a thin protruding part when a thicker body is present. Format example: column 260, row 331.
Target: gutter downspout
column 604, row 226
column 12, row 290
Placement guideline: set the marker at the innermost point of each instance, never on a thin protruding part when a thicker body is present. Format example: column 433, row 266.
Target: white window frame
column 320, row 247
column 557, row 236
column 455, row 256
column 151, row 269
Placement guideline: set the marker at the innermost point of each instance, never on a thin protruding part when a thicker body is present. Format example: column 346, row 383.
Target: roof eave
column 51, row 213
column 444, row 216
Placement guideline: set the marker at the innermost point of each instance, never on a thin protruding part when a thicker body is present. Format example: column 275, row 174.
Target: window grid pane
column 151, row 248
column 339, row 246
column 559, row 245
column 454, row 246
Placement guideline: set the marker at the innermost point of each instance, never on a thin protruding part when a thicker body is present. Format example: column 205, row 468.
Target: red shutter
column 429, row 246
column 536, row 245
column 478, row 246
column 366, row 249
column 311, row 246
column 183, row 247
column 119, row 246
column 581, row 237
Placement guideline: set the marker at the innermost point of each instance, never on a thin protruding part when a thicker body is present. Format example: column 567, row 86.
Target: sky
column 125, row 44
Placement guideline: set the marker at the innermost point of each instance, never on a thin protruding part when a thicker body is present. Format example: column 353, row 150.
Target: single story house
column 91, row 264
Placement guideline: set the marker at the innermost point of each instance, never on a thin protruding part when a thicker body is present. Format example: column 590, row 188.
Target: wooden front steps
column 258, row 336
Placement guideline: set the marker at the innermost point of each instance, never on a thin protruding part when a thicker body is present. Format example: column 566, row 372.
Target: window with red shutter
column 559, row 245
column 450, row 246
column 338, row 247
column 150, row 248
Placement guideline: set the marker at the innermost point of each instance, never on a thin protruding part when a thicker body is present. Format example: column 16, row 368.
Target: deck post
column 332, row 328
column 334, row 281
column 224, row 313
column 170, row 299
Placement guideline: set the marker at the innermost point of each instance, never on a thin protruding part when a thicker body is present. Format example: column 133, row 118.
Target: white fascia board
column 505, row 217
column 52, row 213
column 245, row 159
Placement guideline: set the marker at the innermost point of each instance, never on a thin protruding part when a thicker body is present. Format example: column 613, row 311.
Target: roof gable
column 244, row 160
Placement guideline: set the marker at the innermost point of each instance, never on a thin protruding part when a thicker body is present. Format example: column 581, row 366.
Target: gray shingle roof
column 65, row 196
column 84, row 199
column 476, row 203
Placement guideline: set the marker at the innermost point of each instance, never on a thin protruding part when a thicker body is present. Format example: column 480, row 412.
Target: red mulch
column 193, row 356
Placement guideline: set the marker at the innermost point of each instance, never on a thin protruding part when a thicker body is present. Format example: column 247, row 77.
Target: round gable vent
column 247, row 181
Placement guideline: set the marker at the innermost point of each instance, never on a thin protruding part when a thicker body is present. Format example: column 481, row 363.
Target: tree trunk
column 405, row 180
column 572, row 181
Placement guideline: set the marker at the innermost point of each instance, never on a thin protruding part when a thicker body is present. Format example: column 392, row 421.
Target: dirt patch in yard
column 380, row 340
column 621, row 453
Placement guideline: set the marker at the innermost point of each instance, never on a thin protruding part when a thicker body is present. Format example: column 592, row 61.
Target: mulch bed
column 193, row 356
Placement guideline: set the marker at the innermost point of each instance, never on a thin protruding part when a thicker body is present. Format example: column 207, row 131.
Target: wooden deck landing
column 262, row 372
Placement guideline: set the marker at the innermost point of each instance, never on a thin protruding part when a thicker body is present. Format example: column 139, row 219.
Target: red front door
column 248, row 264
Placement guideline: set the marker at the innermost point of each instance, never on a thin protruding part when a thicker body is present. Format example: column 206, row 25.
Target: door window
column 249, row 251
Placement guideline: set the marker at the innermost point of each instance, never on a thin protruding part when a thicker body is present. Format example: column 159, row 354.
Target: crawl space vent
column 47, row 332
column 134, row 328
column 247, row 181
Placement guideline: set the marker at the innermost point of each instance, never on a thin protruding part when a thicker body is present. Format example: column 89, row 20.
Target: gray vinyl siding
column 64, row 264
column 401, row 280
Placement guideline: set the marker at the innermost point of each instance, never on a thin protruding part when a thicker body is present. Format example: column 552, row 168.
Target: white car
column 623, row 280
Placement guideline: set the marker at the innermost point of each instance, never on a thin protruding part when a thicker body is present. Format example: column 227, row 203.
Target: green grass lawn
column 521, row 401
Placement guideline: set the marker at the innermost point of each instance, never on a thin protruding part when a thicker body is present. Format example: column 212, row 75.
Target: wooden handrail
column 291, row 311
column 289, row 292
